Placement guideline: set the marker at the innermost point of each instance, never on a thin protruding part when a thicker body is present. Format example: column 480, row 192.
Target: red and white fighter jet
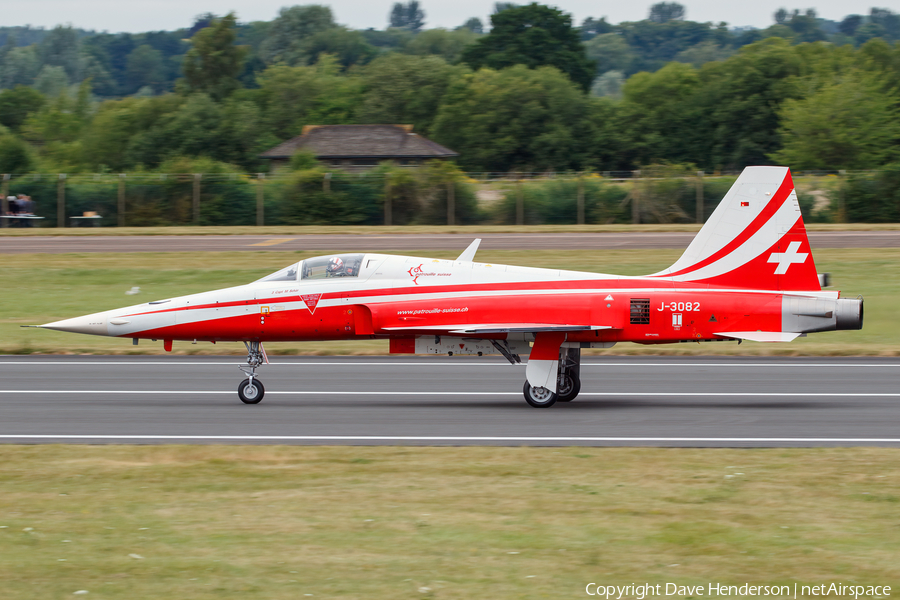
column 748, row 275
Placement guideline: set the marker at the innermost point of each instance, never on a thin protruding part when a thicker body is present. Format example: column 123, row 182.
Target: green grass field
column 445, row 523
column 40, row 288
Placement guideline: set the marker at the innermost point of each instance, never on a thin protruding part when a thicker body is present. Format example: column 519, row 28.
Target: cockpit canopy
column 320, row 267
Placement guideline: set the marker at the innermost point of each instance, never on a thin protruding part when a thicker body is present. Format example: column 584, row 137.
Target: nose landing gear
column 251, row 390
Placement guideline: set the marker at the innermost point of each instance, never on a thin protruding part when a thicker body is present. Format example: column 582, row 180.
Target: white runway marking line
column 276, row 363
column 442, row 438
column 444, row 393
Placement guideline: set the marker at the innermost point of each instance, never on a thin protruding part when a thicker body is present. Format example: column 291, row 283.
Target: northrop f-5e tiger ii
column 748, row 275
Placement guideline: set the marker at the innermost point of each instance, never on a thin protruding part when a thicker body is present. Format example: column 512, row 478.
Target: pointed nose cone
column 95, row 324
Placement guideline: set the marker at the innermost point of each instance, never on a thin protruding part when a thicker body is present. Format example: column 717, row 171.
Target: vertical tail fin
column 754, row 239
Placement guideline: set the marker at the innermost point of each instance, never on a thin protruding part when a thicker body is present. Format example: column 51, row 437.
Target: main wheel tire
column 251, row 391
column 570, row 388
column 538, row 397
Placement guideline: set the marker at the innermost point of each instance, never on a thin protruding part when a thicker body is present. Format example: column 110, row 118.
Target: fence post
column 636, row 199
column 451, row 203
column 580, row 209
column 260, row 199
column 121, row 212
column 61, row 201
column 388, row 216
column 197, row 177
column 5, row 204
column 842, row 199
column 520, row 203
column 701, row 210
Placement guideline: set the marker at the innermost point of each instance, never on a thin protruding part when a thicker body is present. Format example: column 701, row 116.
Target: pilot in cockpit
column 337, row 268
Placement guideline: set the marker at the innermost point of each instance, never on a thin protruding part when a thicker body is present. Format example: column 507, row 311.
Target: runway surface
column 653, row 401
column 404, row 242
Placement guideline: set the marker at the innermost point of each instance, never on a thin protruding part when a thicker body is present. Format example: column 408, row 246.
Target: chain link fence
column 435, row 197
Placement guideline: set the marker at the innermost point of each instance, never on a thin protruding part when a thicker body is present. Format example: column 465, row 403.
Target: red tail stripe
column 761, row 219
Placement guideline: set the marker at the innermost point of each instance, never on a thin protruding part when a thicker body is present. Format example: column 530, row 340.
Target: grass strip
column 452, row 523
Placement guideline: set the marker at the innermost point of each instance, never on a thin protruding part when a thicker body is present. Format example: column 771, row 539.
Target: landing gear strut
column 569, row 380
column 251, row 390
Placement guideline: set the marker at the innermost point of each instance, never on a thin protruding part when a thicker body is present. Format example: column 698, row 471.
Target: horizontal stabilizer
column 762, row 336
column 498, row 328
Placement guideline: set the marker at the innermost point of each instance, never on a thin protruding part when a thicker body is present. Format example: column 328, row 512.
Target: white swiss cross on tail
column 786, row 259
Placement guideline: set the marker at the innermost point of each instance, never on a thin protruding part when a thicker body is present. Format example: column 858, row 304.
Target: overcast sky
column 149, row 15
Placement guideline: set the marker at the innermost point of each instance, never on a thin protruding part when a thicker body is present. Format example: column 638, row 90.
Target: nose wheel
column 251, row 390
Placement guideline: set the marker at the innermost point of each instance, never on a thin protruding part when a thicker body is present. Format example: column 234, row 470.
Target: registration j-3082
column 679, row 306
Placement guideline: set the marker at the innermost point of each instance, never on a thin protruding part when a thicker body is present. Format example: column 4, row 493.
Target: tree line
column 534, row 93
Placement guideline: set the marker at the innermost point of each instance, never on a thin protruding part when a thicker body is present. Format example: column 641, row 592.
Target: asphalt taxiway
column 403, row 242
column 625, row 401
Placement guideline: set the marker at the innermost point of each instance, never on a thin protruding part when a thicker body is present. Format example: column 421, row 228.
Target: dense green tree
column 347, row 46
column 887, row 20
column 289, row 33
column 51, row 81
column 806, row 26
column 533, row 35
column 20, row 67
column 291, row 97
column 406, row 89
column 145, row 68
column 850, row 24
column 213, row 64
column 408, row 16
column 659, row 117
column 474, row 25
column 449, row 45
column 703, row 53
column 17, row 103
column 591, row 27
column 739, row 104
column 656, row 44
column 61, row 48
column 663, row 12
column 15, row 155
column 516, row 118
column 609, row 84
column 611, row 52
column 847, row 124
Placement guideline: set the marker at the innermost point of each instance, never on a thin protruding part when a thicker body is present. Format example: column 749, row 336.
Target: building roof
column 360, row 141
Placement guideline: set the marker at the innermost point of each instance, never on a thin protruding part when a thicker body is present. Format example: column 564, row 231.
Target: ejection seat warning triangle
column 311, row 301
column 712, row 319
column 608, row 297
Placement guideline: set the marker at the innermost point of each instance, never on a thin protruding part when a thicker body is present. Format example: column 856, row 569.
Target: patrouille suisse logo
column 311, row 301
column 414, row 272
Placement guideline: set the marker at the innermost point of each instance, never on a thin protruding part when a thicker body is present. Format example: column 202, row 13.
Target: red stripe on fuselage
column 603, row 286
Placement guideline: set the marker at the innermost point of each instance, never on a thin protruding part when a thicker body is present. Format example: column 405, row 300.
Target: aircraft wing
column 485, row 328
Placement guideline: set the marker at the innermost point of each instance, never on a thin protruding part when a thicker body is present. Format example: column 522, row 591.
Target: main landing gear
column 568, row 382
column 251, row 390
